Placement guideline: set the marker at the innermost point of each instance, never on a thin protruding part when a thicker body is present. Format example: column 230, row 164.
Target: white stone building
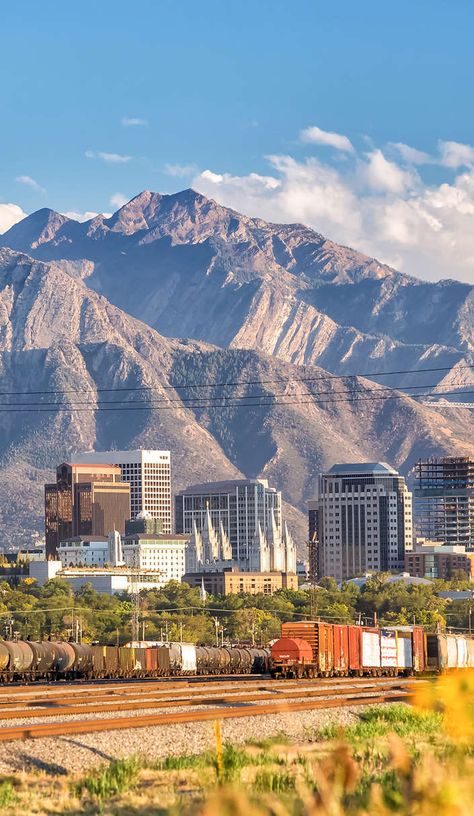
column 165, row 554
column 209, row 550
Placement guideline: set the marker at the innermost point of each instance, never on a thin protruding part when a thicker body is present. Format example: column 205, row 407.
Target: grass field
column 412, row 761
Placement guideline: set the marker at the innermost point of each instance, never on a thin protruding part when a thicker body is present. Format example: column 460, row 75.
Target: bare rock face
column 187, row 266
column 65, row 350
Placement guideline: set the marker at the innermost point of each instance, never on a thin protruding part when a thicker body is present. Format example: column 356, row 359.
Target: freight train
column 316, row 649
column 60, row 660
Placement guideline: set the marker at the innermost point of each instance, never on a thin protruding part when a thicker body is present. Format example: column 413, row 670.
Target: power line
column 142, row 405
column 184, row 400
column 177, row 386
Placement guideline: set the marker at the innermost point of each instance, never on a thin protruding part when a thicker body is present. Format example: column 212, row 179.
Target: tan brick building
column 231, row 582
column 428, row 560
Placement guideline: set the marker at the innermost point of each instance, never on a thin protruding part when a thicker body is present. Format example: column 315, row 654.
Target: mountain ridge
column 66, row 342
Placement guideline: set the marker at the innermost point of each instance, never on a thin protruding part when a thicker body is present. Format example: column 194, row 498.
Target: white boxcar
column 452, row 651
column 388, row 649
column 188, row 658
column 470, row 652
column 404, row 650
column 370, row 649
column 463, row 656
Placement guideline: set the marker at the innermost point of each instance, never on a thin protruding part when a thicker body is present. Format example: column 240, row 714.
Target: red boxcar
column 320, row 637
column 355, row 665
column 341, row 649
column 151, row 659
column 419, row 649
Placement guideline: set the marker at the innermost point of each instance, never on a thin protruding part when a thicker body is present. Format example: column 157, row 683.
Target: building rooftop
column 225, row 485
column 371, row 468
column 88, row 465
column 392, row 579
column 88, row 456
column 157, row 537
column 80, row 539
column 456, row 594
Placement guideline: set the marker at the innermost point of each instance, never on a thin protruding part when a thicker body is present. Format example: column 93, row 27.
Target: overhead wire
column 178, row 386
column 348, row 391
column 143, row 405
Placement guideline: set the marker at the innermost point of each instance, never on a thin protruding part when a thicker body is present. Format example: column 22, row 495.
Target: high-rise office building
column 444, row 500
column 85, row 500
column 238, row 505
column 364, row 520
column 149, row 475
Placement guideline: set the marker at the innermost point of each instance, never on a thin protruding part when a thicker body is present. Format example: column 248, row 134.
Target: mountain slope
column 190, row 267
column 68, row 344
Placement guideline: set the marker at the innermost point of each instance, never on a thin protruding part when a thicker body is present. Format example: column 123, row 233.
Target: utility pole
column 313, row 546
column 469, row 617
column 135, row 593
column 216, row 624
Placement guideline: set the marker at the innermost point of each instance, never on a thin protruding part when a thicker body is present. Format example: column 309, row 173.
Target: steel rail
column 117, row 697
column 36, row 731
column 106, row 692
column 222, row 699
column 121, row 682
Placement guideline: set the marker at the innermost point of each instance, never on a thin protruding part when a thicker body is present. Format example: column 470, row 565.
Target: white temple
column 209, row 550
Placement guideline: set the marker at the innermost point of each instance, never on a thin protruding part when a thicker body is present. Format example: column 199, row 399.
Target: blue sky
column 222, row 86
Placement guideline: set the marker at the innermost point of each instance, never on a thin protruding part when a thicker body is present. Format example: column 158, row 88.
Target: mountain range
column 268, row 309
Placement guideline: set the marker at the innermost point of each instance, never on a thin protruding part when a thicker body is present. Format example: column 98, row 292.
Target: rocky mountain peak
column 38, row 228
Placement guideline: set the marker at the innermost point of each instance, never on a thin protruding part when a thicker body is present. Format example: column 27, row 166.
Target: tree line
column 177, row 611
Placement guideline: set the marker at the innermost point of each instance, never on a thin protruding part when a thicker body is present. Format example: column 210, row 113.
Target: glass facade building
column 444, row 500
column 85, row 500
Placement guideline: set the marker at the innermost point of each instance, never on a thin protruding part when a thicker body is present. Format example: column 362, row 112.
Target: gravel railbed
column 297, row 696
column 82, row 752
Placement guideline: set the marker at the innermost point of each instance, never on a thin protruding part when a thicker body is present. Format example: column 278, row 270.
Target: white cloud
column 384, row 176
column 84, row 216
column 180, row 170
column 118, row 200
column 108, row 158
column 134, row 121
column 28, row 181
column 10, row 214
column 455, row 154
column 377, row 206
column 314, row 135
column 410, row 154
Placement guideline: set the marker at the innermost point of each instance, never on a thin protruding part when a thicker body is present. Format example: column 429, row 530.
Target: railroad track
column 165, row 701
column 107, row 688
column 230, row 706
